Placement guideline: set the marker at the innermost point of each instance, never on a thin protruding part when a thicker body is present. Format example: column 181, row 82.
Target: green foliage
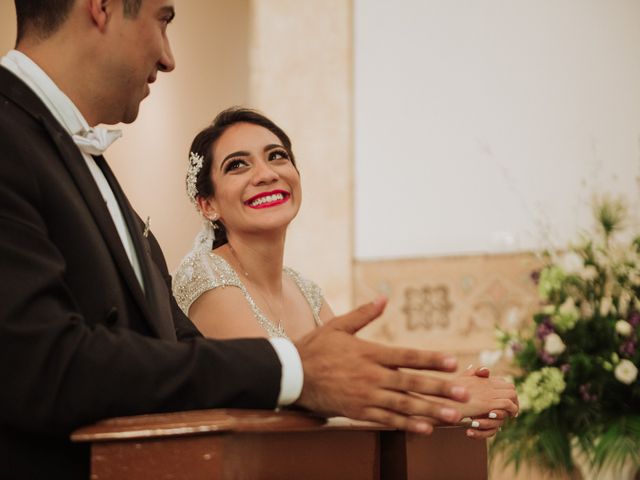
column 578, row 359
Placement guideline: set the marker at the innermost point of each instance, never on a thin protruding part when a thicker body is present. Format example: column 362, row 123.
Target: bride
column 242, row 177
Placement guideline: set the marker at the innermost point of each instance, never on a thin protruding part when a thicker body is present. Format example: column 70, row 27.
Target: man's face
column 138, row 48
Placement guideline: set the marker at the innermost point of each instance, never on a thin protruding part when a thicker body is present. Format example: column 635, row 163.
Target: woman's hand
column 486, row 426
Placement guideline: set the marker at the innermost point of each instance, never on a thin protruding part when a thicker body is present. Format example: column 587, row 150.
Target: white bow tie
column 96, row 140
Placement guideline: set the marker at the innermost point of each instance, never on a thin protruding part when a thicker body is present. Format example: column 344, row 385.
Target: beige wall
column 7, row 26
column 300, row 58
column 210, row 42
column 209, row 39
column 290, row 59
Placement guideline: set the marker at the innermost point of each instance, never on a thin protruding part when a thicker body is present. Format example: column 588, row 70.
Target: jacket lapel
column 156, row 291
column 13, row 88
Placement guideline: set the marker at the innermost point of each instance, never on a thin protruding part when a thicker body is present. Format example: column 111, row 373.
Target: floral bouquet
column 577, row 363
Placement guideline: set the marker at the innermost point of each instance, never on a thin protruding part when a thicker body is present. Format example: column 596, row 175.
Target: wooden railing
column 258, row 444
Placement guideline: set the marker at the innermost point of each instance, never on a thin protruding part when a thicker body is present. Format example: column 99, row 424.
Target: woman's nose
column 264, row 173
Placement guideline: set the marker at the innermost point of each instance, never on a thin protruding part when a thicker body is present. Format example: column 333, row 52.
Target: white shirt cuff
column 292, row 374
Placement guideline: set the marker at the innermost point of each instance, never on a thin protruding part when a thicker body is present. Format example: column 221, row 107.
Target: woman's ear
column 207, row 208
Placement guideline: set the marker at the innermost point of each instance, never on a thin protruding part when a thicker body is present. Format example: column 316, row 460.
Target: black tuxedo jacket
column 80, row 340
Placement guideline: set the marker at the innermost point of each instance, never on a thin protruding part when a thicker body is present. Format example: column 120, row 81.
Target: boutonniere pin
column 147, row 226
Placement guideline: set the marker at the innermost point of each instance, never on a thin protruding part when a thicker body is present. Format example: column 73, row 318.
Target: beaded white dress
column 202, row 270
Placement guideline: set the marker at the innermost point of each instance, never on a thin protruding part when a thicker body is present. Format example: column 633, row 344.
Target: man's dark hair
column 44, row 17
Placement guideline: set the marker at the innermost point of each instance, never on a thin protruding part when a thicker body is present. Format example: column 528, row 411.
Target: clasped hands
column 351, row 377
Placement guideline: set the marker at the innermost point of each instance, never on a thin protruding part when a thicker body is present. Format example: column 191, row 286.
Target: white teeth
column 267, row 199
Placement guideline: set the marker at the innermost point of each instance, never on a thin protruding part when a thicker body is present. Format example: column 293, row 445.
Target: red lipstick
column 268, row 199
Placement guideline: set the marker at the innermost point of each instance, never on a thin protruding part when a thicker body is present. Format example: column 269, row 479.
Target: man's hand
column 347, row 376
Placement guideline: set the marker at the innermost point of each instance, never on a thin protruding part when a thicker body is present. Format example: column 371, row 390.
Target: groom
column 88, row 328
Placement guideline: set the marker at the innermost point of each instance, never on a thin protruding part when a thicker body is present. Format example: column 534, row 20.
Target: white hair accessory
column 195, row 164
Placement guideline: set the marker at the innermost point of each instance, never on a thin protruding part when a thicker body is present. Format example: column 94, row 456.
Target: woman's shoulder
column 200, row 271
column 311, row 291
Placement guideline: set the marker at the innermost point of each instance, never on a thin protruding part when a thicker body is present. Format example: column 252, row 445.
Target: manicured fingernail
column 448, row 414
column 458, row 391
column 483, row 369
column 475, row 424
column 493, row 415
column 450, row 362
column 470, row 433
column 470, row 366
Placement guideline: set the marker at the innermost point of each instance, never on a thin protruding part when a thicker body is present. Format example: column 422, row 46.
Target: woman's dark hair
column 204, row 142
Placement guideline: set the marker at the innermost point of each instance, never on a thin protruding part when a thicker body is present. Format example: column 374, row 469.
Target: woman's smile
column 268, row 199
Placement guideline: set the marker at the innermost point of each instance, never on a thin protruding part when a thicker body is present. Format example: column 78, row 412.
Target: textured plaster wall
column 300, row 74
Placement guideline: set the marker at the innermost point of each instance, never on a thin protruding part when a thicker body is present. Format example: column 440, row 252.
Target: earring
column 213, row 219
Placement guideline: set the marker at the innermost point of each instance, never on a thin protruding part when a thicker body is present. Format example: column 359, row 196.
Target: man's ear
column 100, row 11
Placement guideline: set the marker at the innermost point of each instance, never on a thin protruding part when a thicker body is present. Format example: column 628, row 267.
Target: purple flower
column 634, row 318
column 585, row 393
column 565, row 367
column 628, row 348
column 547, row 358
column 516, row 347
column 535, row 276
column 544, row 329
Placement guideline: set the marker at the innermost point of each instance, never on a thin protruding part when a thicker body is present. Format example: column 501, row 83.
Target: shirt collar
column 61, row 106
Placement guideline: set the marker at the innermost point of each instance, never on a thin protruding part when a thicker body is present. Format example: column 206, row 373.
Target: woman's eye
column 234, row 165
column 278, row 155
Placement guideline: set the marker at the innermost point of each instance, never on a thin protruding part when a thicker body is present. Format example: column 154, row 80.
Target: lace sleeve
column 200, row 271
column 311, row 291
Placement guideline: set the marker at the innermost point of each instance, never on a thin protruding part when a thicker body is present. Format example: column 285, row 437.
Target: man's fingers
column 353, row 321
column 395, row 420
column 425, row 385
column 397, row 357
column 414, row 405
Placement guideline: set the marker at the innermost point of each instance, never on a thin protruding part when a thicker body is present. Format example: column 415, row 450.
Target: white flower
column 589, row 273
column 570, row 262
column 512, row 318
column 586, row 310
column 623, row 302
column 569, row 308
column 626, row 372
column 624, row 328
column 553, row 344
column 490, row 357
column 605, row 306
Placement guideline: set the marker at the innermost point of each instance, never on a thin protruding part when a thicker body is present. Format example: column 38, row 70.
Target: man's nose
column 166, row 63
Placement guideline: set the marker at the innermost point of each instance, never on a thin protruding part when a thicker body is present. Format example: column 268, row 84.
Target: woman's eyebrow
column 240, row 153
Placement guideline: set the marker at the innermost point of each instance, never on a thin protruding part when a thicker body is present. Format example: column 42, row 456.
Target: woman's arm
column 223, row 312
column 325, row 313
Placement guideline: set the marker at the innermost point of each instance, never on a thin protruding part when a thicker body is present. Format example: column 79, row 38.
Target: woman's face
column 257, row 187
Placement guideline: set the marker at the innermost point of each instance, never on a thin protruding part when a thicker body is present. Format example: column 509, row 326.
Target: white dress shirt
column 64, row 110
